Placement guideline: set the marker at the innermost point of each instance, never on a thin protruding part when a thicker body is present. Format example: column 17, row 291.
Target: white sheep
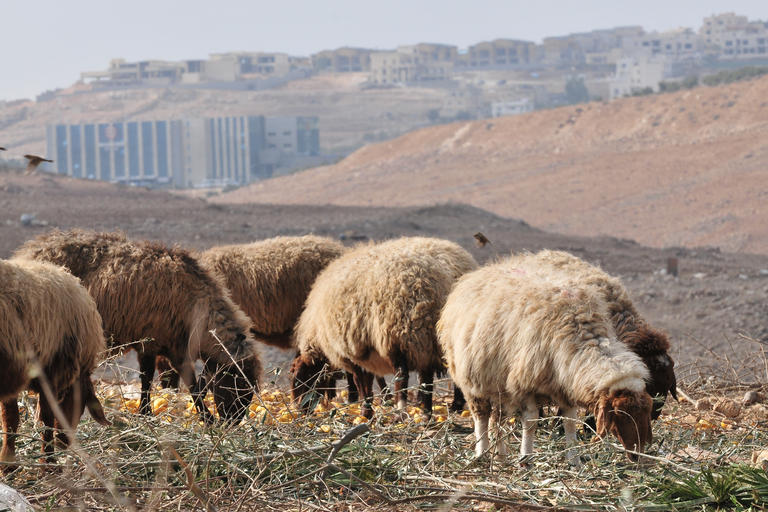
column 514, row 340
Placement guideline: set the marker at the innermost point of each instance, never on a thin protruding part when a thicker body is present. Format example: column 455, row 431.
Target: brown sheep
column 650, row 344
column 270, row 279
column 161, row 301
column 47, row 318
column 373, row 311
column 514, row 339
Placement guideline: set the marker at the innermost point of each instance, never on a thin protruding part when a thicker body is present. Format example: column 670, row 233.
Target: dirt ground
column 687, row 168
column 716, row 297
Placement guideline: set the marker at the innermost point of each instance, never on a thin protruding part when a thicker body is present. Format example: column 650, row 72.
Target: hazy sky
column 46, row 44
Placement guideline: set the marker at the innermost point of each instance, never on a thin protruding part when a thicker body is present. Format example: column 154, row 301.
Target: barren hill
column 686, row 169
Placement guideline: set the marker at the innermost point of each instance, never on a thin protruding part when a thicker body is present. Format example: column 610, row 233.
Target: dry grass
column 279, row 460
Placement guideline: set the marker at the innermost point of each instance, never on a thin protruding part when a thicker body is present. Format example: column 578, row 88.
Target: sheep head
column 309, row 374
column 233, row 387
column 627, row 415
column 653, row 346
column 77, row 397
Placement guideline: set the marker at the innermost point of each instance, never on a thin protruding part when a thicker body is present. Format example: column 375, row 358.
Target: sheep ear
column 602, row 415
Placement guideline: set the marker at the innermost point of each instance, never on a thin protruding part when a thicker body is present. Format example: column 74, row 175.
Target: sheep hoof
column 526, row 461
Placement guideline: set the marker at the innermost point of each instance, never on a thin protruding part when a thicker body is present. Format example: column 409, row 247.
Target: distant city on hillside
column 488, row 79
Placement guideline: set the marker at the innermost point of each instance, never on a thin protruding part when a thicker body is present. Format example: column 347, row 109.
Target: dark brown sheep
column 160, row 301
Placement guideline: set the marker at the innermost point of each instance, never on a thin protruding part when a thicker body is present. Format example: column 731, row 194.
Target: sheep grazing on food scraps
column 160, row 301
column 650, row 344
column 48, row 319
column 373, row 311
column 513, row 339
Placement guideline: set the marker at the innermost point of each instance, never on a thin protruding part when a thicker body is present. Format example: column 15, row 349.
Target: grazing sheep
column 373, row 311
column 513, row 339
column 46, row 318
column 270, row 279
column 651, row 345
column 161, row 301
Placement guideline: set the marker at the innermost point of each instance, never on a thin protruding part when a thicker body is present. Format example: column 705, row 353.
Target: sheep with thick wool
column 50, row 336
column 514, row 340
column 373, row 311
column 650, row 344
column 270, row 279
column 160, row 301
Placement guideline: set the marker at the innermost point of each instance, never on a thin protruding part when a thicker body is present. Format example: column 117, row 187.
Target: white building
column 638, row 73
column 511, row 108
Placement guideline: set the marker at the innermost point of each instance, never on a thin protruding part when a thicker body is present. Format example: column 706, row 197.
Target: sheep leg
column 458, row 399
column 530, row 414
column 570, row 423
column 498, row 415
column 382, row 382
column 364, row 382
column 10, row 413
column 169, row 378
column 401, row 380
column 147, row 370
column 352, row 389
column 481, row 411
column 425, row 391
column 45, row 414
column 197, row 388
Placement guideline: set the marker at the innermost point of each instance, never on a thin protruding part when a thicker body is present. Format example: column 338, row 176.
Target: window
column 119, row 161
column 90, row 151
column 162, row 148
column 105, row 162
column 76, row 145
column 287, row 133
column 133, row 149
column 61, row 149
column 148, row 148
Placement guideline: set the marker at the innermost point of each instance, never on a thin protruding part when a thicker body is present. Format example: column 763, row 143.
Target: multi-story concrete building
column 734, row 37
column 634, row 74
column 343, row 60
column 180, row 153
column 498, row 53
column 511, row 107
column 676, row 45
column 413, row 63
column 120, row 72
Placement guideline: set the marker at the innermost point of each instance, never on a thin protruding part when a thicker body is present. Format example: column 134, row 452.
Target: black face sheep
column 48, row 319
column 373, row 312
column 632, row 330
column 514, row 340
column 165, row 298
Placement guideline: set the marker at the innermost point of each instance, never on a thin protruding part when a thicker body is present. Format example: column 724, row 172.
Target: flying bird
column 481, row 240
column 34, row 161
column 2, row 148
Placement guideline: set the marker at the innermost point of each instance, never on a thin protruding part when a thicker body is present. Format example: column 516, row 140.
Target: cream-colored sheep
column 48, row 319
column 648, row 343
column 513, row 339
column 373, row 311
column 159, row 300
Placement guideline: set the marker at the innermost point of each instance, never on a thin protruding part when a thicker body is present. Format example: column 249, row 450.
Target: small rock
column 760, row 459
column 763, row 272
column 27, row 219
column 11, row 499
column 750, row 397
column 699, row 275
column 727, row 408
column 743, row 277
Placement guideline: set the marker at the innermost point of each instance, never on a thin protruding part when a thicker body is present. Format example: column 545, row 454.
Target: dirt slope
column 686, row 169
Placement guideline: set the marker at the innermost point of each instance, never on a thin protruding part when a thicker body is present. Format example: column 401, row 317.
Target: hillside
column 680, row 169
column 348, row 114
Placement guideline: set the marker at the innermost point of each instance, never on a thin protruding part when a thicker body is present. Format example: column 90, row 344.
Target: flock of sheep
column 525, row 331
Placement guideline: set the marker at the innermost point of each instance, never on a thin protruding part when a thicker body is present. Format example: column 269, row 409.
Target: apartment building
column 678, row 44
column 735, row 37
column 421, row 62
column 121, row 72
column 511, row 107
column 342, row 60
column 185, row 153
column 498, row 53
column 638, row 73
